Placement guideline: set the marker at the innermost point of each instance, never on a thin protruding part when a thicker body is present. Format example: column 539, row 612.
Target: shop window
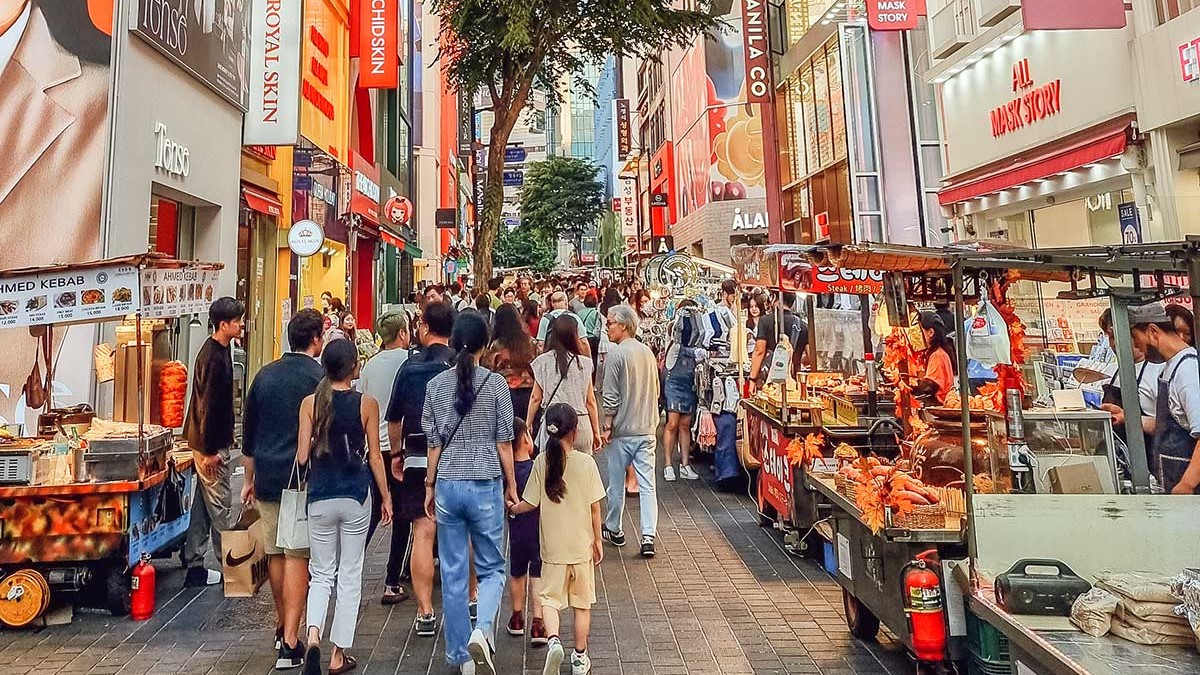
column 1171, row 9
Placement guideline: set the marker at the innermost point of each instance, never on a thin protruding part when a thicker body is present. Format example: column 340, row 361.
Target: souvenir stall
column 1077, row 564
column 84, row 499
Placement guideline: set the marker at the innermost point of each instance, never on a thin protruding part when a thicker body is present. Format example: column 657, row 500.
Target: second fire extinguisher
column 924, row 607
column 141, row 605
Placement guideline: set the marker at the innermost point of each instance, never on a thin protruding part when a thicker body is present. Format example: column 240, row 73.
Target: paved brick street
column 721, row 597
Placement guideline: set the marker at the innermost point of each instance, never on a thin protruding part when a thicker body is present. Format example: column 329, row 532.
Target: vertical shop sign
column 623, row 128
column 466, row 124
column 892, row 14
column 1131, row 225
column 379, row 44
column 756, row 44
column 273, row 117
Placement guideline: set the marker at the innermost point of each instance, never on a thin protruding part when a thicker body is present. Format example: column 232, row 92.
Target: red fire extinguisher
column 141, row 606
column 924, row 607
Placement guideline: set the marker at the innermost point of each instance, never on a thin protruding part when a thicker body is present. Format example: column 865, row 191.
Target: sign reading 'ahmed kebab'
column 1032, row 103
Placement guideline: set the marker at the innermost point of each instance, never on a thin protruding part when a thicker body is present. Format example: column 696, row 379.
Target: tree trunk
column 488, row 222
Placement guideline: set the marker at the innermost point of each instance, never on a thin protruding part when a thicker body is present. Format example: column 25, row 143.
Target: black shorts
column 409, row 500
column 524, row 547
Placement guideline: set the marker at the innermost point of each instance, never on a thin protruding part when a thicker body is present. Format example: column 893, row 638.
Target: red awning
column 1054, row 159
column 389, row 238
column 263, row 202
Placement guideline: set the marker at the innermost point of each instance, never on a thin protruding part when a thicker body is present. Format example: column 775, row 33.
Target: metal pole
column 964, row 391
column 1127, row 376
column 868, row 348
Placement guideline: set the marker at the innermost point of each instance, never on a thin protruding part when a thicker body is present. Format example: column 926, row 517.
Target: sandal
column 348, row 664
column 393, row 595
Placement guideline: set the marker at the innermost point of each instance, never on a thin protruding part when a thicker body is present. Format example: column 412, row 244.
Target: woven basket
column 846, row 487
column 923, row 517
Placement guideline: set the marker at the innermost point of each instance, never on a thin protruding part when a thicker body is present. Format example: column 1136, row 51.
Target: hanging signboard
column 892, row 14
column 174, row 292
column 791, row 271
column 306, row 237
column 379, row 44
column 757, row 52
column 624, row 129
column 68, row 295
column 466, row 125
column 273, row 117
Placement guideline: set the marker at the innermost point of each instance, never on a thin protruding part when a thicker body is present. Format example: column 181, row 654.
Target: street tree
column 611, row 244
column 525, row 246
column 505, row 47
column 561, row 196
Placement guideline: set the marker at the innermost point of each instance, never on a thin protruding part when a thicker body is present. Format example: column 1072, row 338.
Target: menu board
column 174, row 292
column 68, row 295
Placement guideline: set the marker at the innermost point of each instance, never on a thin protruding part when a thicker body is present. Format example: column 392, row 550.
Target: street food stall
column 1077, row 565
column 84, row 498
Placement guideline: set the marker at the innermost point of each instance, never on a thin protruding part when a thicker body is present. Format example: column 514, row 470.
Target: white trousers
column 337, row 534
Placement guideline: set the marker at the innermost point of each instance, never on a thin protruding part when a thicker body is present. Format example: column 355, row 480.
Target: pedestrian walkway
column 722, row 597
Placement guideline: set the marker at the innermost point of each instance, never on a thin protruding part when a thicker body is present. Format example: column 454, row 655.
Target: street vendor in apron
column 1177, row 409
column 1147, row 375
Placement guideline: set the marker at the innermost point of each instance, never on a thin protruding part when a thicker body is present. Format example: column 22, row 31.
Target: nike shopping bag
column 243, row 558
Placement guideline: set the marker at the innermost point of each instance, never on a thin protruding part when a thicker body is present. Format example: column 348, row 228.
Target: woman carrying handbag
column 339, row 444
column 567, row 376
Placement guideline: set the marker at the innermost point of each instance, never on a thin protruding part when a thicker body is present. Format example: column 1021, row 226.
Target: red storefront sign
column 379, row 44
column 662, row 181
column 364, row 195
column 893, row 14
column 1033, row 103
column 758, row 58
column 1189, row 60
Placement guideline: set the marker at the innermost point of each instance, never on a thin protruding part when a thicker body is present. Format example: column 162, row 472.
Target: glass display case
column 1069, row 451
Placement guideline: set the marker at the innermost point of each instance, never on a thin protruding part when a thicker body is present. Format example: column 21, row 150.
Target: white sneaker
column 580, row 663
column 669, row 474
column 481, row 650
column 686, row 472
column 554, row 657
column 467, row 668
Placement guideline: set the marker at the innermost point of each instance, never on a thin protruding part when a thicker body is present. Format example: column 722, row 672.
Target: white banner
column 274, row 114
column 65, row 296
column 629, row 207
column 175, row 292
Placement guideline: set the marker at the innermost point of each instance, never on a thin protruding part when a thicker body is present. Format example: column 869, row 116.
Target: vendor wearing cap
column 1147, row 386
column 1177, row 409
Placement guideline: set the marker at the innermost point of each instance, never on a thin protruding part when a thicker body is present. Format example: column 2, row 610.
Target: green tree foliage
column 561, row 196
column 525, row 246
column 505, row 47
column 612, row 244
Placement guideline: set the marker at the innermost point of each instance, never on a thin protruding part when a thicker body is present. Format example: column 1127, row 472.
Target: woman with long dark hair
column 532, row 315
column 563, row 375
column 939, row 368
column 510, row 354
column 339, row 444
column 468, row 424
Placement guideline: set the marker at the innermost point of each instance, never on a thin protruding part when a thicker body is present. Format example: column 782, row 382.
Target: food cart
column 83, row 498
column 1096, row 530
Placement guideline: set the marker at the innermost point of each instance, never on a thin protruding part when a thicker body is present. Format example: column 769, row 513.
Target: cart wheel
column 118, row 590
column 862, row 623
column 24, row 595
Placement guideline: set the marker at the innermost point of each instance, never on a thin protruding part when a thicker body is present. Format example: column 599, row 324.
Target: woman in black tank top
column 339, row 445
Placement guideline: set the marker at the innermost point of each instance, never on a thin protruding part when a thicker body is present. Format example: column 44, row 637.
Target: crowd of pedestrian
column 452, row 424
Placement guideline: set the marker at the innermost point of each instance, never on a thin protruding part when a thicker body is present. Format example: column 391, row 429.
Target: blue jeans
column 470, row 517
column 638, row 451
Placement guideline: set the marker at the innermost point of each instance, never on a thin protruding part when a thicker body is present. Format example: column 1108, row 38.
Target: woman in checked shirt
column 468, row 422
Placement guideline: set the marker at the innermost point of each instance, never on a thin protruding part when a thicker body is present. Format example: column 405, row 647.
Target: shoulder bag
column 540, row 415
column 293, row 511
column 462, row 417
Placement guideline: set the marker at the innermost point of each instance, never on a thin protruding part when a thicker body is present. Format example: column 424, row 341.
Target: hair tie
column 552, row 428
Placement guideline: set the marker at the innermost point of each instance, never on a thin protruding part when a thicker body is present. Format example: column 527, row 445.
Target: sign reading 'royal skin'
column 758, row 57
column 379, row 44
column 273, row 117
column 1033, row 102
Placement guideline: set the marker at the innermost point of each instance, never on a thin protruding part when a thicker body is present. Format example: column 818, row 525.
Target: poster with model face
column 208, row 38
column 54, row 85
column 718, row 136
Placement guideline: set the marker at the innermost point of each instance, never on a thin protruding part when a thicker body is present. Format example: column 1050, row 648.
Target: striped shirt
column 472, row 453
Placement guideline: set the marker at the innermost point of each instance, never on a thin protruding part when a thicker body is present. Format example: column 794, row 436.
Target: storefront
column 318, row 184
column 398, row 242
column 259, row 222
column 364, row 238
column 1040, row 154
column 177, row 119
column 1168, row 102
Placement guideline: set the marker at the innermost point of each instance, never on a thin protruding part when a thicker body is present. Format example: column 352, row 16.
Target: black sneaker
column 279, row 638
column 312, row 661
column 647, row 546
column 199, row 576
column 290, row 657
column 425, row 625
column 614, row 538
column 474, row 610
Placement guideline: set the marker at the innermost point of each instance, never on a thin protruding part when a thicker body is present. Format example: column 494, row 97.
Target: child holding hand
column 525, row 560
column 565, row 485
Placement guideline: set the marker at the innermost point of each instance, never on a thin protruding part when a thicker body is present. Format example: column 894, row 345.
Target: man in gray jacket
column 630, row 425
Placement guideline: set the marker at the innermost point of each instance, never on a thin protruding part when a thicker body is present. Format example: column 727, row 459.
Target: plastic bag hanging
column 987, row 337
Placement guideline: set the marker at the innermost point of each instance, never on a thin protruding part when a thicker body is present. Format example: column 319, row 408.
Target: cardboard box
column 1075, row 479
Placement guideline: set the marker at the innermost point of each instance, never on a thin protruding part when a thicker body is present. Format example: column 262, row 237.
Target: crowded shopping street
column 612, row 337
